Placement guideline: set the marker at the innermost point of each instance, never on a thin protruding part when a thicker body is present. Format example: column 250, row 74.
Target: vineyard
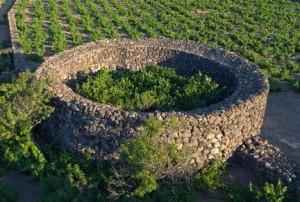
column 266, row 32
column 153, row 163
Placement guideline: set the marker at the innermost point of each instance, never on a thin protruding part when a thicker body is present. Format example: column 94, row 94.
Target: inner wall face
column 138, row 58
column 83, row 126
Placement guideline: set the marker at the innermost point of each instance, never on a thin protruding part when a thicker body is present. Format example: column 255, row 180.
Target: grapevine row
column 58, row 38
column 73, row 23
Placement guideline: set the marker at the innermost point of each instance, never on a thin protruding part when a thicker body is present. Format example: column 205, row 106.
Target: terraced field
column 266, row 32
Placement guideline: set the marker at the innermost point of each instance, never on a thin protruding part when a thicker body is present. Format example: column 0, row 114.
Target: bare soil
column 4, row 36
column 282, row 123
column 4, row 7
column 26, row 190
column 30, row 191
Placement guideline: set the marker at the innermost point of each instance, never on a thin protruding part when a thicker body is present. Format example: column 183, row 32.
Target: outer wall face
column 82, row 125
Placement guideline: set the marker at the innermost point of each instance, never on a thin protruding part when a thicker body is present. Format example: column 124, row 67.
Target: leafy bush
column 270, row 192
column 74, row 186
column 23, row 104
column 238, row 193
column 155, row 87
column 275, row 85
column 167, row 192
column 68, row 177
column 211, row 176
column 296, row 84
column 293, row 67
column 146, row 159
column 7, row 194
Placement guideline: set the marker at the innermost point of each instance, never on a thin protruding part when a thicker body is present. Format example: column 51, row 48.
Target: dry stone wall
column 85, row 126
column 21, row 63
column 268, row 161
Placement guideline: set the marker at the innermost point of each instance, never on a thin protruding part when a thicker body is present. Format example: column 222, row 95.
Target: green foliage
column 270, row 192
column 238, row 193
column 24, row 42
column 104, row 24
column 248, row 27
column 211, row 176
column 32, row 38
column 154, row 88
column 23, row 27
column 146, row 159
column 23, row 104
column 38, row 34
column 166, row 192
column 175, row 193
column 296, row 84
column 7, row 194
column 71, row 184
column 72, row 21
column 76, row 178
column 293, row 67
column 68, row 177
column 87, row 20
column 275, row 85
column 59, row 40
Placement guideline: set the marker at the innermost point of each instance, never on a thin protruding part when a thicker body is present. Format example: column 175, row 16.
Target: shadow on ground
column 282, row 123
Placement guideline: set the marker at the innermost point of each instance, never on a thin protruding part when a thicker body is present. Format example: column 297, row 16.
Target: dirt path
column 4, row 7
column 4, row 36
column 27, row 191
column 282, row 123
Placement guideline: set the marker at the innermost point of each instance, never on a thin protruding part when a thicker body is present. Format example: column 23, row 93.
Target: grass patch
column 154, row 88
column 296, row 84
column 275, row 85
column 270, row 192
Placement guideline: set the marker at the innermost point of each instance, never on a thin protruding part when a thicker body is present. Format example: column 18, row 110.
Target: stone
column 186, row 134
column 210, row 136
column 215, row 151
column 193, row 143
column 214, row 130
column 216, row 144
column 179, row 146
column 267, row 160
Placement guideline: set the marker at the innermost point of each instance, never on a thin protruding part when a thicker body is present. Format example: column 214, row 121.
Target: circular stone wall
column 85, row 126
